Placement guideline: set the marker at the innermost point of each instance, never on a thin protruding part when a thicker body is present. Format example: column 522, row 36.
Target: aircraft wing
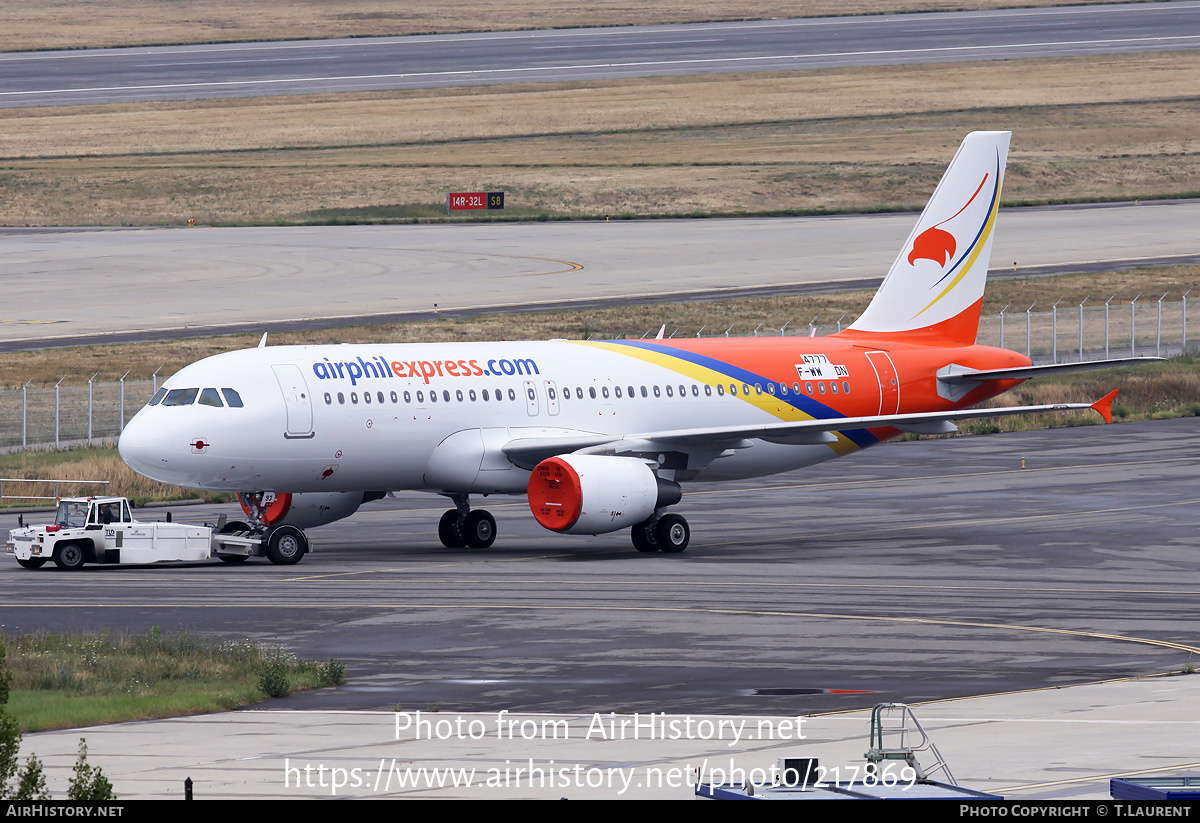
column 960, row 375
column 528, row 452
column 920, row 422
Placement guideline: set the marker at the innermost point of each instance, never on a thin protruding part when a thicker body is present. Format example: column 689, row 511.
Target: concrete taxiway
column 1022, row 564
column 936, row 572
column 910, row 572
column 1054, row 744
column 73, row 286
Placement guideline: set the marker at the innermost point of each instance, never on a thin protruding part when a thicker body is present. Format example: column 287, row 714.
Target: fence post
column 1029, row 331
column 25, row 413
column 121, row 422
column 1054, row 330
column 729, row 329
column 1002, row 324
column 1158, row 334
column 1089, row 297
column 1183, row 345
column 1133, row 326
column 759, row 326
column 783, row 327
column 90, row 379
column 702, row 328
column 812, row 327
column 154, row 380
column 1106, row 302
column 840, row 319
column 56, row 416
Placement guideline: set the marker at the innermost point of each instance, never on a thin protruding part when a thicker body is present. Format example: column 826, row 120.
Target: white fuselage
column 429, row 416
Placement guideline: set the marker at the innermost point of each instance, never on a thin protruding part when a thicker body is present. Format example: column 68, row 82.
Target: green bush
column 31, row 783
column 89, row 784
column 273, row 678
column 332, row 673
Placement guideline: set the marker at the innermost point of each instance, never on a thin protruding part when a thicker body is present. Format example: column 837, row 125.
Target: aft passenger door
column 296, row 399
column 889, row 389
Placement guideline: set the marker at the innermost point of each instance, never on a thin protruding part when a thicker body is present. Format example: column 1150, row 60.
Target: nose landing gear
column 283, row 545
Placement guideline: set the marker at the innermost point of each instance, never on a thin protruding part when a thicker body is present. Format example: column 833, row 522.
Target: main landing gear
column 668, row 533
column 462, row 527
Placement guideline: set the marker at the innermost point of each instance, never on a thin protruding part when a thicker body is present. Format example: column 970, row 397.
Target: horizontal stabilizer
column 959, row 375
column 1104, row 405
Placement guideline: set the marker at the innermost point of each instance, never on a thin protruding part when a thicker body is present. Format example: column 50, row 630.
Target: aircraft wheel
column 286, row 545
column 479, row 530
column 449, row 532
column 672, row 533
column 69, row 557
column 643, row 537
column 32, row 563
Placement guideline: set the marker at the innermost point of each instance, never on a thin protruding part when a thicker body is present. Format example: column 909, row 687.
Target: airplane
column 600, row 435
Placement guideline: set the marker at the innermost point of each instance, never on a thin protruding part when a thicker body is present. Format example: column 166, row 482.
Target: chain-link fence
column 62, row 415
column 1057, row 334
column 59, row 415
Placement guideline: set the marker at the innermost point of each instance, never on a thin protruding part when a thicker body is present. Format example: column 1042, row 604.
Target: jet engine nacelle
column 309, row 509
column 595, row 494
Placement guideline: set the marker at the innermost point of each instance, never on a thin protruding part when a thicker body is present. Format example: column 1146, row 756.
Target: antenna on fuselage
column 262, row 344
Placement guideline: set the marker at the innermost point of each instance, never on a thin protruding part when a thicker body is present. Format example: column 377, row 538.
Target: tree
column 88, row 784
column 10, row 733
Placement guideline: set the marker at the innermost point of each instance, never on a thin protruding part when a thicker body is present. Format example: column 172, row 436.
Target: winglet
column 1104, row 405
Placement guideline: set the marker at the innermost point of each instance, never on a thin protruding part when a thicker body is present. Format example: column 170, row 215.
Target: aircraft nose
column 143, row 448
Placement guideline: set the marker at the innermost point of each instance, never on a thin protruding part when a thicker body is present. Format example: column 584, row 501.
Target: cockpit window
column 158, row 396
column 209, row 397
column 180, row 397
column 232, row 398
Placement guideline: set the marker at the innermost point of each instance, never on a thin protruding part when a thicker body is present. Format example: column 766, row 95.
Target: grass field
column 830, row 140
column 83, row 679
column 60, row 24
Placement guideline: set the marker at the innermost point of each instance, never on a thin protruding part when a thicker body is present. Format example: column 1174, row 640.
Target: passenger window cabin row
column 499, row 395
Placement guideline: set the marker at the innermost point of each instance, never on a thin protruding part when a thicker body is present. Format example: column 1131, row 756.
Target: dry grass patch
column 87, row 464
column 459, row 116
column 56, row 24
column 46, row 366
column 836, row 140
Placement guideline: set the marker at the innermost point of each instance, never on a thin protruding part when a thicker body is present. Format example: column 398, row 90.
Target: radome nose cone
column 137, row 446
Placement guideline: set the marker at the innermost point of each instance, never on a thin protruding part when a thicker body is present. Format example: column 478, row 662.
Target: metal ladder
column 898, row 737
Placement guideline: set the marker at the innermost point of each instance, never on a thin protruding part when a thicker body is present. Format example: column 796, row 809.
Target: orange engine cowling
column 595, row 494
